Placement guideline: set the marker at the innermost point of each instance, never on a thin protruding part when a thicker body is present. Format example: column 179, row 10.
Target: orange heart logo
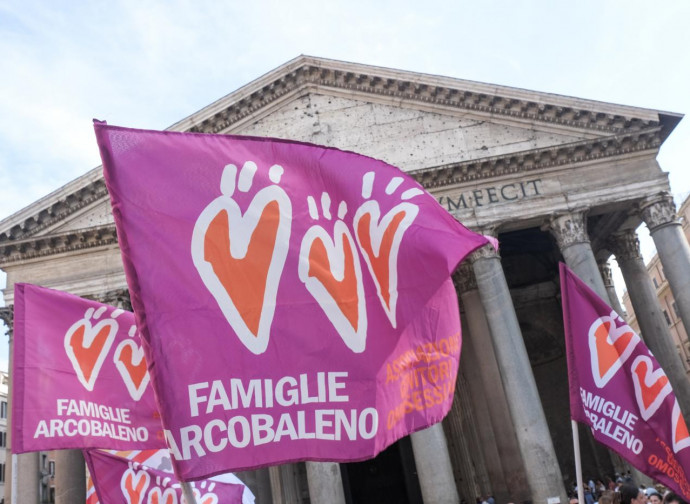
column 240, row 257
column 330, row 270
column 168, row 496
column 651, row 387
column 681, row 437
column 379, row 240
column 130, row 362
column 134, row 485
column 609, row 348
column 87, row 345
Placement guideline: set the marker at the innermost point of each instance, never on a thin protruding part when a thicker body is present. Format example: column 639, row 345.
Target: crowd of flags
column 291, row 302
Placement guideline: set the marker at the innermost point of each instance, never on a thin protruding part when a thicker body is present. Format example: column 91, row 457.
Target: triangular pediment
column 406, row 137
column 416, row 121
column 97, row 214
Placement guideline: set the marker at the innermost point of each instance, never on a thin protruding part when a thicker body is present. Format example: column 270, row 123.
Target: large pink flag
column 296, row 299
column 619, row 390
column 118, row 480
column 79, row 378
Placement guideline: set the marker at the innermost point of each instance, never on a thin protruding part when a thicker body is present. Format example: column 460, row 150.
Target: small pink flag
column 117, row 479
column 80, row 378
column 296, row 300
column 618, row 388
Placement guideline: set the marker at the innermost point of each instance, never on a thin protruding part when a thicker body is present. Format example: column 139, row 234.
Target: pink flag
column 79, row 378
column 296, row 300
column 619, row 390
column 119, row 480
column 160, row 460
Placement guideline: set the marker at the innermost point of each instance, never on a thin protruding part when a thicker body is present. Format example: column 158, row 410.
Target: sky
column 148, row 64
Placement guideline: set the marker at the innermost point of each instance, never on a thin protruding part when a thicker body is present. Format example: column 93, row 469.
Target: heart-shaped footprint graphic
column 330, row 269
column 134, row 485
column 651, row 387
column 168, row 496
column 87, row 346
column 379, row 240
column 207, row 499
column 609, row 348
column 130, row 362
column 240, row 256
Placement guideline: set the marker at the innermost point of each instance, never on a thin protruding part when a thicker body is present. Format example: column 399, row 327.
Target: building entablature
column 54, row 208
column 59, row 243
column 517, row 190
column 539, row 159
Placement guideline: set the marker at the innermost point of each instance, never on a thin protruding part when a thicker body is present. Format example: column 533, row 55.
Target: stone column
column 70, row 477
column 619, row 463
column 480, row 448
column 607, row 276
column 543, row 473
column 479, row 360
column 283, row 484
column 649, row 314
column 325, row 483
column 7, row 316
column 570, row 231
column 433, row 466
column 465, row 444
column 28, row 475
column 659, row 213
column 259, row 482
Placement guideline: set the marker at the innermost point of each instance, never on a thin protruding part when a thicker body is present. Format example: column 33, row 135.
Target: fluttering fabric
column 118, row 479
column 619, row 390
column 296, row 300
column 79, row 379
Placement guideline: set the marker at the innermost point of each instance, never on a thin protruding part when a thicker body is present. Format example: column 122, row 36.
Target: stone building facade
column 665, row 295
column 554, row 178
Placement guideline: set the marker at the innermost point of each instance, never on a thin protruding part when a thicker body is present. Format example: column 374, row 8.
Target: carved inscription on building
column 491, row 195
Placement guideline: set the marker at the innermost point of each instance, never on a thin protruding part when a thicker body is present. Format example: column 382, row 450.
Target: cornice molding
column 17, row 244
column 22, row 250
column 57, row 211
column 366, row 81
column 538, row 159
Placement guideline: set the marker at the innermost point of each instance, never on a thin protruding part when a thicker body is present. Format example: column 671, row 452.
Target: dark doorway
column 389, row 478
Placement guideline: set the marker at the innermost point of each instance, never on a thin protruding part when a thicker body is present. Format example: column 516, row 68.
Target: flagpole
column 188, row 493
column 578, row 463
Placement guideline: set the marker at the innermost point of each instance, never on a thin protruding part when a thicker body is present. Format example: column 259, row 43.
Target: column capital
column 606, row 274
column 118, row 298
column 568, row 228
column 464, row 279
column 625, row 245
column 485, row 252
column 7, row 316
column 658, row 211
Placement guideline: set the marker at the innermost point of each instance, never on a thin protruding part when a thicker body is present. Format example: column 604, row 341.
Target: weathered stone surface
column 405, row 137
